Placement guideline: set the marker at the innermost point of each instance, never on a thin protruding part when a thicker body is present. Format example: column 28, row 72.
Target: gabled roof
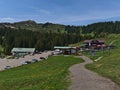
column 99, row 40
column 23, row 50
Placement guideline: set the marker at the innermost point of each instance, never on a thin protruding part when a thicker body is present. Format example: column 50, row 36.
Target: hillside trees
column 48, row 35
column 10, row 38
column 102, row 28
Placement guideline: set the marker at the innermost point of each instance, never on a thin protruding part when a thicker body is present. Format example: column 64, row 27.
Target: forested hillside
column 102, row 28
column 46, row 36
column 10, row 38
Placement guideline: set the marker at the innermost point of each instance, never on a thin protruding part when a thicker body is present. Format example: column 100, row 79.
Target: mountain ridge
column 34, row 26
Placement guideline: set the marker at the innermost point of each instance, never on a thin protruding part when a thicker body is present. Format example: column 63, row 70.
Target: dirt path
column 83, row 79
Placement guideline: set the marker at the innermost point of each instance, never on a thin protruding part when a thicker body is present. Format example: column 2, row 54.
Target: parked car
column 26, row 62
column 57, row 52
column 39, row 52
column 42, row 57
column 7, row 67
column 34, row 60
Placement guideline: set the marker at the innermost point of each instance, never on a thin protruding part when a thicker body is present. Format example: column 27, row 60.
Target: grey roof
column 64, row 47
column 23, row 49
column 61, row 47
column 82, row 45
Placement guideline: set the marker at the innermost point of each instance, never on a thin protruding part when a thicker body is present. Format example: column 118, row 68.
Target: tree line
column 51, row 36
column 102, row 29
column 10, row 38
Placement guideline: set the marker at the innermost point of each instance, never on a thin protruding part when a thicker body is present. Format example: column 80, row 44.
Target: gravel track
column 83, row 79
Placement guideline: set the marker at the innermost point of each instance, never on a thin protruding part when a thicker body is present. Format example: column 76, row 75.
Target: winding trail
column 83, row 79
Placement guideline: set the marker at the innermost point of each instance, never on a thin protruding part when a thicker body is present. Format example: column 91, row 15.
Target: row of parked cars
column 26, row 62
column 23, row 63
column 32, row 61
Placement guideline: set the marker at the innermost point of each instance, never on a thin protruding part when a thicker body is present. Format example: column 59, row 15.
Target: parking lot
column 18, row 62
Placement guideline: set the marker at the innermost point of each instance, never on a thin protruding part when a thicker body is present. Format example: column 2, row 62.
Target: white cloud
column 42, row 11
column 7, row 19
column 93, row 15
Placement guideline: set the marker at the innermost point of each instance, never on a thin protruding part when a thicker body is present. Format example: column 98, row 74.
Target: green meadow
column 50, row 74
column 109, row 65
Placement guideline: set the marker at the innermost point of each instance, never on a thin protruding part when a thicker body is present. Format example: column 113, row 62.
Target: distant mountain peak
column 31, row 21
column 27, row 22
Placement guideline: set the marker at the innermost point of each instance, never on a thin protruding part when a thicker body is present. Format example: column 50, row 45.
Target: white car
column 26, row 62
column 7, row 67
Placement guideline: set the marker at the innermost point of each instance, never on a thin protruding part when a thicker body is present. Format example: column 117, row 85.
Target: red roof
column 87, row 41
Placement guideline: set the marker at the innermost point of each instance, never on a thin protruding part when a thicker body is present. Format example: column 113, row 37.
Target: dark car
column 34, row 60
column 42, row 57
column 26, row 62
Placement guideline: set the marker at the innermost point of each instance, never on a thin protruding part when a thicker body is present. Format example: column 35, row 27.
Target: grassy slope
column 109, row 66
column 50, row 74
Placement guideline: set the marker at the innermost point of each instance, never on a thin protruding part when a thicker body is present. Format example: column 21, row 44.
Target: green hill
column 109, row 66
column 31, row 34
column 32, row 25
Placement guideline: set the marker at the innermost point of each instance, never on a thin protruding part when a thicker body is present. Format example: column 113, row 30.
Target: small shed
column 22, row 51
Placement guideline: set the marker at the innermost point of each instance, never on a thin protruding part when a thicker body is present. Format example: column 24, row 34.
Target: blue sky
column 68, row 12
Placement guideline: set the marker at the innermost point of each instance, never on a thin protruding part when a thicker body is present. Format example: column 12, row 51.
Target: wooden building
column 94, row 43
